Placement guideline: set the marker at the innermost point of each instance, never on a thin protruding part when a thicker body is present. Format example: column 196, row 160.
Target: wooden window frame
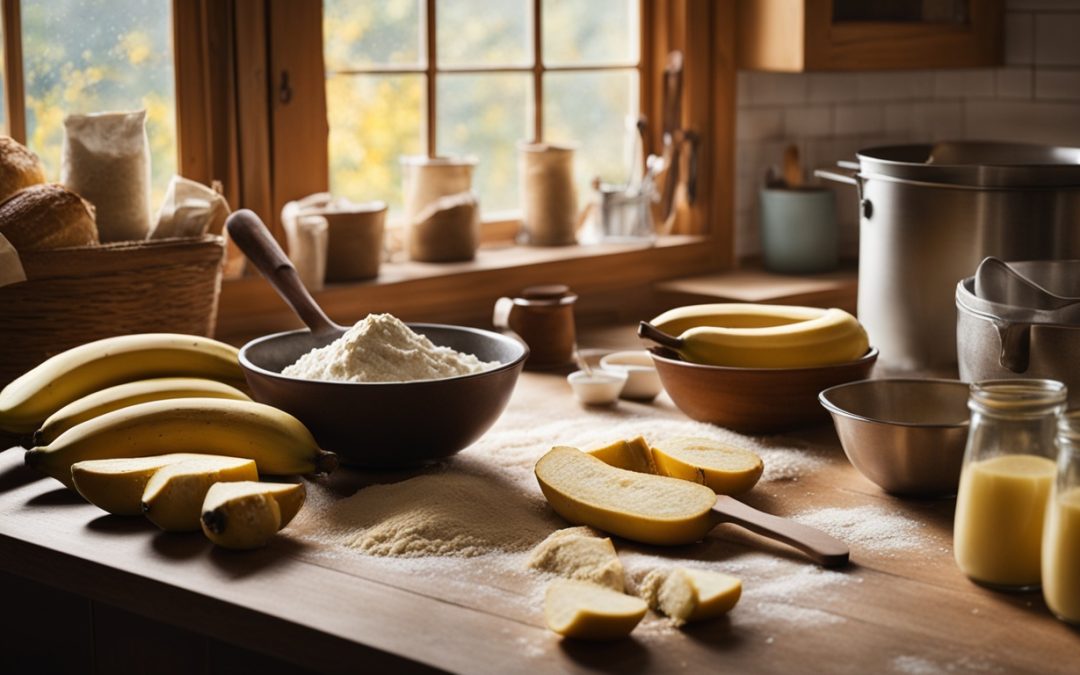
column 234, row 126
column 499, row 226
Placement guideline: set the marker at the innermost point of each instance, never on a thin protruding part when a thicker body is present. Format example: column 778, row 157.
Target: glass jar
column 1005, row 481
column 1061, row 537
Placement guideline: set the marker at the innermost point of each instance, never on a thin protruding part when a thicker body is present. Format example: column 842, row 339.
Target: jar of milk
column 1061, row 536
column 1006, row 479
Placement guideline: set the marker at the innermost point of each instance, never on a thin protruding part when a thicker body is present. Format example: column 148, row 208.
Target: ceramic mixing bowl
column 906, row 435
column 753, row 400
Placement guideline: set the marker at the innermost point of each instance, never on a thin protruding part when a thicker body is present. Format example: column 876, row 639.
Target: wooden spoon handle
column 824, row 549
column 254, row 239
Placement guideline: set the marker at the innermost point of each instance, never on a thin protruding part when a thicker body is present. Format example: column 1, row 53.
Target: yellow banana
column 787, row 337
column 28, row 400
column 732, row 315
column 130, row 393
column 278, row 442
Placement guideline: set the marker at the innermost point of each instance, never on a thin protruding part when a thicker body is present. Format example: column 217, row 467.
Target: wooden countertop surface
column 905, row 610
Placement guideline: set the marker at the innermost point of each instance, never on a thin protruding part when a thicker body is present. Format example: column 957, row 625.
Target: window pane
column 83, row 56
column 593, row 32
column 374, row 120
column 486, row 115
column 590, row 109
column 483, row 33
column 373, row 33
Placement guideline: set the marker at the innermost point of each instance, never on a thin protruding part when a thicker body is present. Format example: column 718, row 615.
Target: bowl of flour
column 386, row 394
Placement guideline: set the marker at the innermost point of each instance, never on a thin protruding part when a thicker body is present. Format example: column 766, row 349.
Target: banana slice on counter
column 117, row 485
column 726, row 469
column 245, row 514
column 579, row 609
column 639, row 506
column 174, row 495
column 686, row 594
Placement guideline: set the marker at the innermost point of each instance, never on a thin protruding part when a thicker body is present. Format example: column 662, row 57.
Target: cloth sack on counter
column 106, row 160
column 190, row 209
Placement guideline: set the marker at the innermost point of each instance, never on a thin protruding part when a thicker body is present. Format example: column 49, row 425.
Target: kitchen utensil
column 543, row 316
column 793, row 175
column 1001, row 341
column 673, row 72
column 753, row 400
column 822, row 548
column 905, row 435
column 998, row 281
column 924, row 226
column 643, row 382
column 390, row 424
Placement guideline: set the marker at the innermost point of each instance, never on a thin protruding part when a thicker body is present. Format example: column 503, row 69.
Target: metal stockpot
column 1002, row 341
column 930, row 213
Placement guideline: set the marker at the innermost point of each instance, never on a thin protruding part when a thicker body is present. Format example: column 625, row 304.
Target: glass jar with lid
column 1005, row 481
column 1061, row 536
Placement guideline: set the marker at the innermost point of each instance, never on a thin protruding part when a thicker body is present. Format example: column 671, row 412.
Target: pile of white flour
column 380, row 348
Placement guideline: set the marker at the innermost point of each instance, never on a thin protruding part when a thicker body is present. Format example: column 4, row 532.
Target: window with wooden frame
column 474, row 78
column 80, row 56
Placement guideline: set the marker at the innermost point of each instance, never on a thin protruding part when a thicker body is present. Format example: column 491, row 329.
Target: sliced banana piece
column 579, row 609
column 174, row 495
column 686, row 594
column 639, row 506
column 726, row 469
column 117, row 485
column 632, row 455
column 247, row 514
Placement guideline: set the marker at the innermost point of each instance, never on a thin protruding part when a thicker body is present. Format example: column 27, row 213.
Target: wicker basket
column 75, row 295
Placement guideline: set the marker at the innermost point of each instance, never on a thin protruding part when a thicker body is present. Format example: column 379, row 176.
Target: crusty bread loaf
column 19, row 167
column 47, row 216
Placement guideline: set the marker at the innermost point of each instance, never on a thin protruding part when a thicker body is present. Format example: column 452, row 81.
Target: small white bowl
column 600, row 388
column 643, row 382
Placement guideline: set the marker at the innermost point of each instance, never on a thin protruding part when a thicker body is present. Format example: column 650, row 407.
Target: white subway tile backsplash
column 1014, row 82
column 1027, row 121
column 852, row 120
column 1019, row 38
column 1057, row 39
column 802, row 122
column 775, row 88
column 831, row 116
column 937, row 121
column 832, row 87
column 754, row 124
column 898, row 118
column 1058, row 85
column 966, row 83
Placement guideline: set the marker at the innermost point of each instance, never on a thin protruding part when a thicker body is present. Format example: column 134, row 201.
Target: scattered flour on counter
column 380, row 348
column 443, row 514
column 871, row 527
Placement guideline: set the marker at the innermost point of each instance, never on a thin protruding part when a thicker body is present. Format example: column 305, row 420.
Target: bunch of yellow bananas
column 151, row 394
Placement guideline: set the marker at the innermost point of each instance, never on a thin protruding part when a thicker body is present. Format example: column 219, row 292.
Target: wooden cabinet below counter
column 817, row 35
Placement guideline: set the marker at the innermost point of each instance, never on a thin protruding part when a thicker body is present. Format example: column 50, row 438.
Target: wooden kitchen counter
column 893, row 610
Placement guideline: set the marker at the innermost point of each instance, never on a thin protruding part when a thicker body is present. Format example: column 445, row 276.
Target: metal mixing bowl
column 906, row 435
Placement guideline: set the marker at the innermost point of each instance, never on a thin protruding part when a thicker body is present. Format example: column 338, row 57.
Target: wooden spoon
column 793, row 175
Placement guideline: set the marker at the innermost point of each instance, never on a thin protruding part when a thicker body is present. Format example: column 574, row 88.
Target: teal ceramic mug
column 799, row 233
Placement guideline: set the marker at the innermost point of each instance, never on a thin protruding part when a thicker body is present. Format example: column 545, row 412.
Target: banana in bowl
column 756, row 368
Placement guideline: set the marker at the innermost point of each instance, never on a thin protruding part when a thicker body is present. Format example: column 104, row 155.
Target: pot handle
column 1015, row 339
column 850, row 177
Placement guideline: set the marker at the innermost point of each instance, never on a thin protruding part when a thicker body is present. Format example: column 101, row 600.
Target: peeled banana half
column 28, row 400
column 278, row 442
column 764, row 336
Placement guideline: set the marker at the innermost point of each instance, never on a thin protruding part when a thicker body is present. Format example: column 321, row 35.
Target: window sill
column 607, row 274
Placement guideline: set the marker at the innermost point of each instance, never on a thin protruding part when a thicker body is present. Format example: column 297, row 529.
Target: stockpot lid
column 975, row 164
